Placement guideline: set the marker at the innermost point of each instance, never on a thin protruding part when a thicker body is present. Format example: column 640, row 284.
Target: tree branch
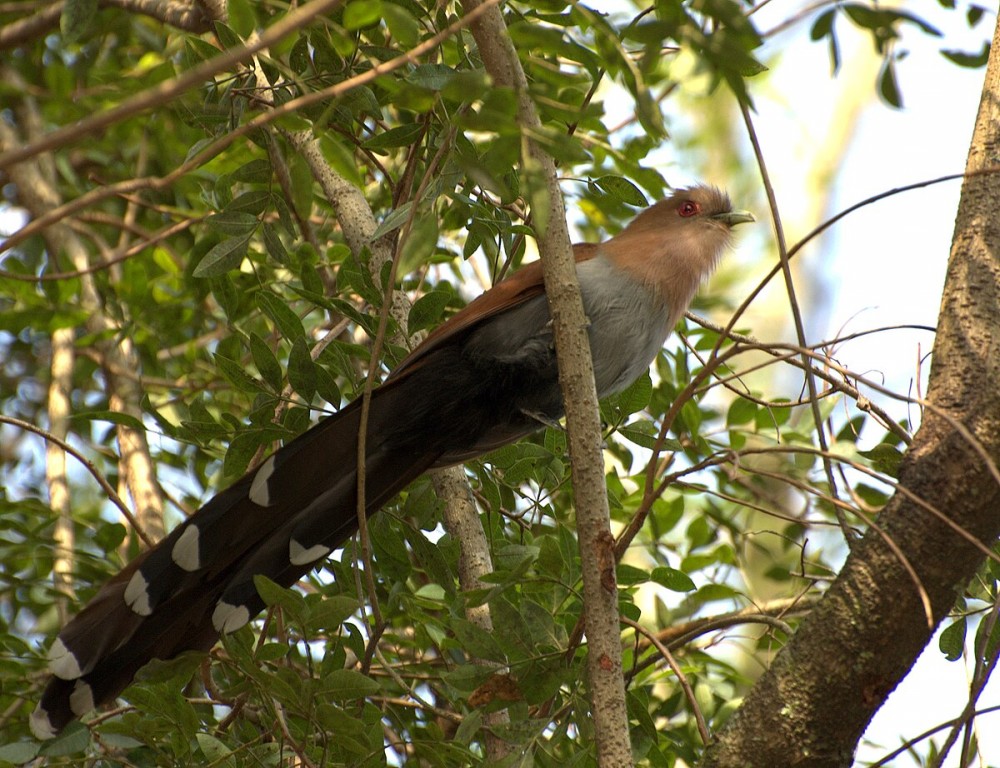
column 576, row 377
column 194, row 16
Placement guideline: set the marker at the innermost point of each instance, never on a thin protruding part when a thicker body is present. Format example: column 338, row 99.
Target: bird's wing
column 523, row 285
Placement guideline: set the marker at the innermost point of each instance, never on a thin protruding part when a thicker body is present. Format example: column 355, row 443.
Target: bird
column 484, row 378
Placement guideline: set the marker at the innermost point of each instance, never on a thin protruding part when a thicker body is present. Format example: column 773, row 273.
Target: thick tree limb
column 867, row 631
column 194, row 16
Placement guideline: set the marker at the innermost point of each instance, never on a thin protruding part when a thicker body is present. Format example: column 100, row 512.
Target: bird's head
column 675, row 243
column 701, row 213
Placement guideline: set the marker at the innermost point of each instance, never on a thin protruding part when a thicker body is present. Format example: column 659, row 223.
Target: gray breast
column 628, row 324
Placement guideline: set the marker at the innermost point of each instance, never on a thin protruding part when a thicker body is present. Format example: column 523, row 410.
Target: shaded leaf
column 952, row 639
column 266, row 362
column 76, row 18
column 287, row 322
column 884, row 458
column 343, row 684
column 972, row 60
column 401, row 136
column 672, row 579
column 302, row 369
column 223, row 257
column 622, row 189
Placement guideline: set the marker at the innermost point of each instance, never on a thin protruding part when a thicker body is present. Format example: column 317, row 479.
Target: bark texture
column 813, row 704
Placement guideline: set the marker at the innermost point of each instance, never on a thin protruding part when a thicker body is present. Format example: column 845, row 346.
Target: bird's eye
column 689, row 208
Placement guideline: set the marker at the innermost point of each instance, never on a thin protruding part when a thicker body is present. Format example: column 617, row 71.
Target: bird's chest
column 628, row 325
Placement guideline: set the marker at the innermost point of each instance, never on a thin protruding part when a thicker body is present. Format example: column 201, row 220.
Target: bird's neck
column 670, row 266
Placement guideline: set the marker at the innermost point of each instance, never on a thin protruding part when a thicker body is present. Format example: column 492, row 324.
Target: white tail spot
column 62, row 663
column 259, row 493
column 299, row 555
column 81, row 701
column 137, row 595
column 228, row 618
column 186, row 552
column 41, row 725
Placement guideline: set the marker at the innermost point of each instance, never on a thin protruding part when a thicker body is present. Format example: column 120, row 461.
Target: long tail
column 279, row 520
column 287, row 515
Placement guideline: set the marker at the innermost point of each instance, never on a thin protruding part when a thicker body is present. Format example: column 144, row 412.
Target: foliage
column 250, row 315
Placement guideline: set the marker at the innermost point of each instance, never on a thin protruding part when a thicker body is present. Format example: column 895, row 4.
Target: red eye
column 688, row 208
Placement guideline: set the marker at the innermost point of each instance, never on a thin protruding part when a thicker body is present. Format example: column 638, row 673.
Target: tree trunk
column 812, row 706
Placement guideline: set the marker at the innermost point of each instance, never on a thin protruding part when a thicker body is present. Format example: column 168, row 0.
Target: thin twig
column 706, row 735
column 105, row 485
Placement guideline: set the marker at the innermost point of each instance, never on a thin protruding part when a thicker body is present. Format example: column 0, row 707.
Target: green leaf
column 477, row 642
column 434, row 77
column 275, row 248
column 430, row 558
column 115, row 417
column 273, row 594
column 326, row 386
column 986, row 645
column 401, row 23
column 623, row 190
column 237, row 375
column 635, row 397
column 254, row 201
column 362, row 13
column 302, row 369
column 952, row 640
column 331, row 612
column 255, row 172
column 888, row 86
column 19, row 752
column 823, row 25
column 971, row 60
column 266, row 362
column 76, row 19
column 712, row 592
column 165, row 701
column 645, row 433
column 629, row 575
column 283, row 317
column 71, row 741
column 884, row 458
column 426, row 311
column 401, row 136
column 346, row 684
column 672, row 579
column 741, row 411
column 241, row 449
column 109, row 536
column 214, row 750
column 471, row 723
column 420, row 243
column 393, row 221
column 227, row 35
column 224, row 256
column 355, row 276
column 232, row 223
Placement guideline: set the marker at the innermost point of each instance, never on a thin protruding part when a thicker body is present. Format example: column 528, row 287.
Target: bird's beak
column 732, row 218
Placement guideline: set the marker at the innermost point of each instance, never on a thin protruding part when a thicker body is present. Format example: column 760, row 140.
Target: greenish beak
column 732, row 218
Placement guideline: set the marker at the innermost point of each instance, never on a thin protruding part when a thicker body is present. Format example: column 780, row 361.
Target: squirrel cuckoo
column 483, row 379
